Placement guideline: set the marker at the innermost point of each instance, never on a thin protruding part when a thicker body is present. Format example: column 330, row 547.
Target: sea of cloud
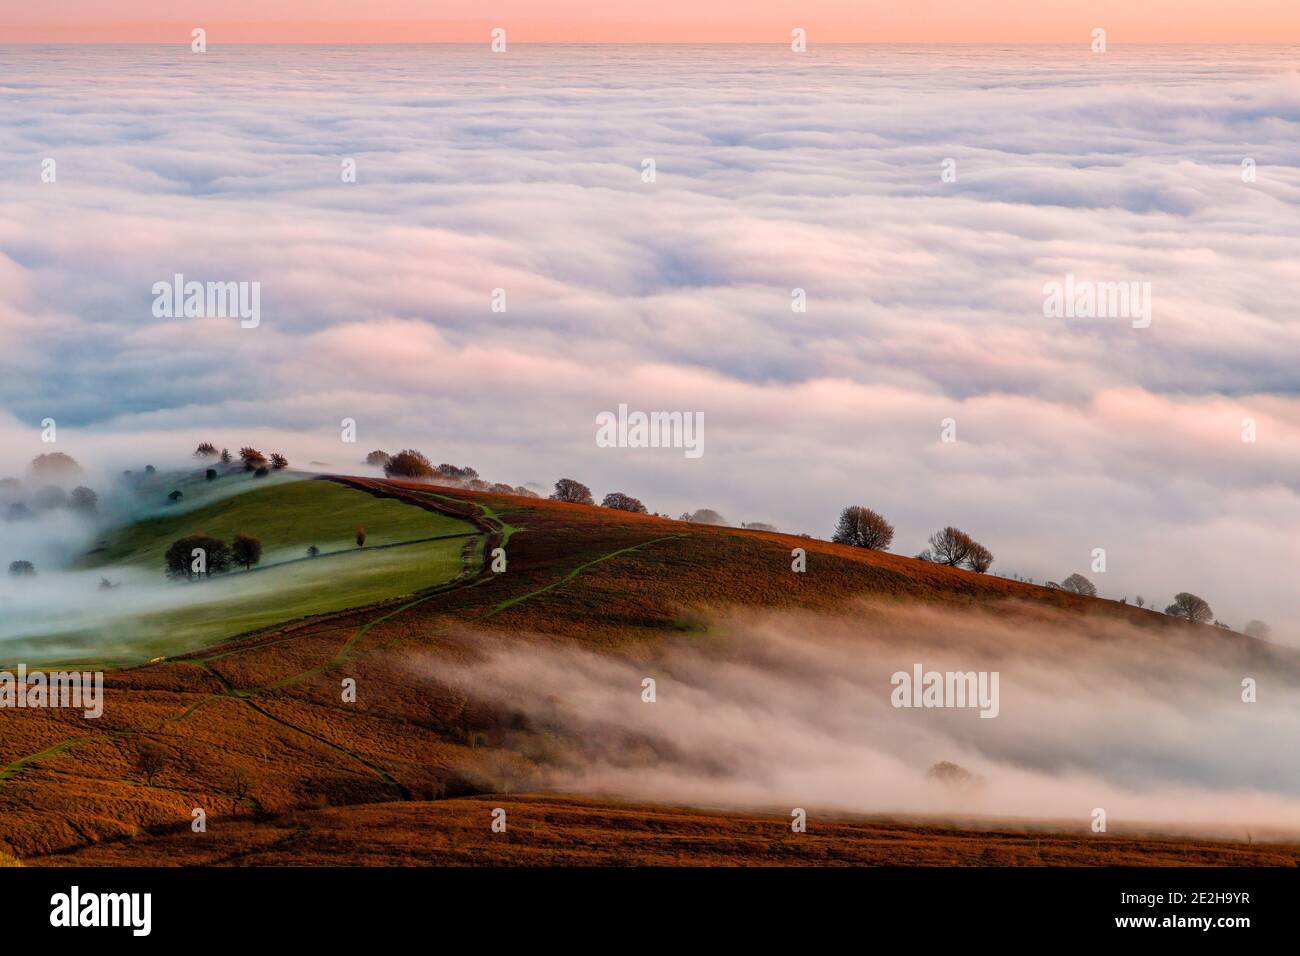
column 820, row 171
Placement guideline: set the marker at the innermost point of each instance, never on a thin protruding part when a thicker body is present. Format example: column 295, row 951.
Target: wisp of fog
column 789, row 710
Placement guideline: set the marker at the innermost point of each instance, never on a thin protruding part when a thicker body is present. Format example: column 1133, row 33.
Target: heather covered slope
column 551, row 830
column 257, row 729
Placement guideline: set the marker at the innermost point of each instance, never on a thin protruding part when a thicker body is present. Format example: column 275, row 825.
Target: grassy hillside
column 287, row 517
column 146, row 618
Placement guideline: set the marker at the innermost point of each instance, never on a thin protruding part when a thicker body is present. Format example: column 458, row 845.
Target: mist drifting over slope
column 103, row 605
column 793, row 710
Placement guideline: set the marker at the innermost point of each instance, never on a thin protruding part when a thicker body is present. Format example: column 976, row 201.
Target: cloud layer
column 775, row 171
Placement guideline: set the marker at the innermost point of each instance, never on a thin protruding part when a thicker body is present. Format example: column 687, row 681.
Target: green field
column 287, row 516
column 148, row 616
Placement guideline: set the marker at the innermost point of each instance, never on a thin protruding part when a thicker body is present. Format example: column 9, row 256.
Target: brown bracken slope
column 254, row 731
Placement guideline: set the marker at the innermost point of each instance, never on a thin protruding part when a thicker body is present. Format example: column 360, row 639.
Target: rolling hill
column 257, row 731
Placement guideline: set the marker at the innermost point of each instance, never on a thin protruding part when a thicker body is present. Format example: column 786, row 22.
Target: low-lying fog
column 63, row 597
column 794, row 710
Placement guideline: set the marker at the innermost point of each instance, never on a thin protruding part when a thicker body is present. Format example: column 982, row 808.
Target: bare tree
column 863, row 528
column 1079, row 585
column 980, row 557
column 950, row 546
column 566, row 489
column 240, row 784
column 1189, row 606
column 206, row 450
column 149, row 762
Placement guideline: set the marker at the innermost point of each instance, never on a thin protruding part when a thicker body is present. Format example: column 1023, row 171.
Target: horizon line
column 774, row 43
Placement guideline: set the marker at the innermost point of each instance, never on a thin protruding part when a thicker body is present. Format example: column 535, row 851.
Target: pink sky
column 575, row 21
